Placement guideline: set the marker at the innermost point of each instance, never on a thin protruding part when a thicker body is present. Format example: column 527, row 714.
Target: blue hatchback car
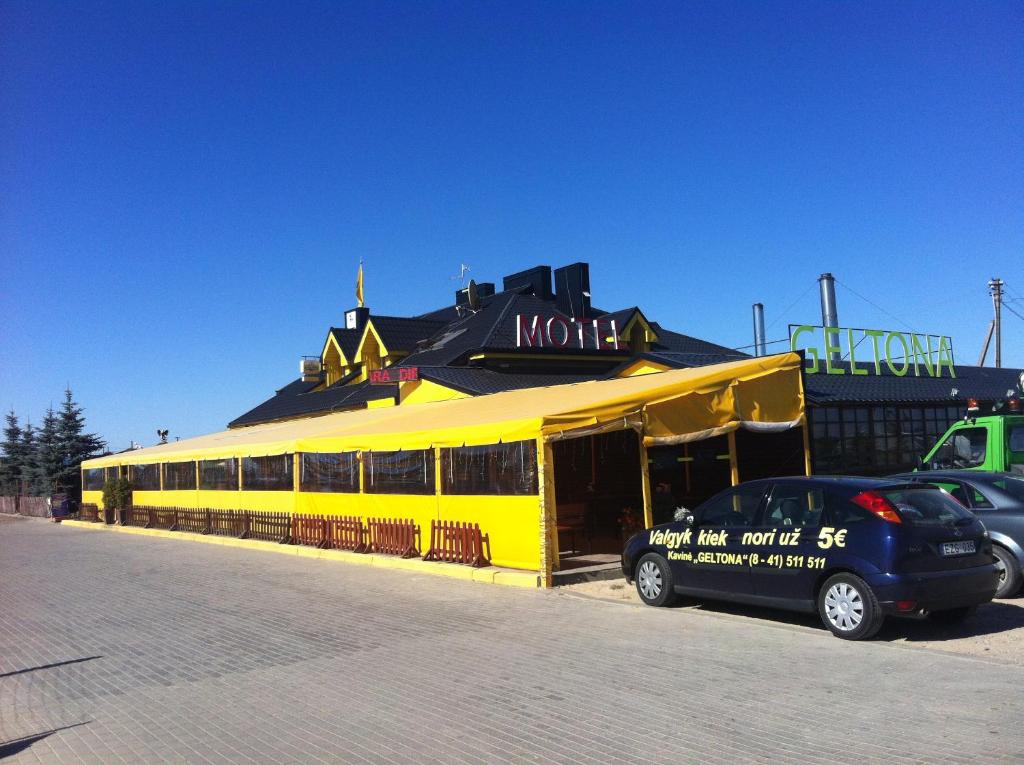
column 853, row 549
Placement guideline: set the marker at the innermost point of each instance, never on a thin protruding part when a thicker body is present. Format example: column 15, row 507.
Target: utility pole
column 995, row 286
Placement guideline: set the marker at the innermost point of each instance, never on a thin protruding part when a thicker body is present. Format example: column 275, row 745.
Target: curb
column 490, row 575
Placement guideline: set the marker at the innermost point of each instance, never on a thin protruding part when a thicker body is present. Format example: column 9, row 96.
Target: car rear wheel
column 849, row 608
column 1009, row 572
column 952, row 615
column 654, row 581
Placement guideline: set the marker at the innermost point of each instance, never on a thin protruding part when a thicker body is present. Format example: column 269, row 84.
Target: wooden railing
column 194, row 519
column 393, row 537
column 268, row 526
column 450, row 541
column 329, row 532
column 87, row 511
column 346, row 533
column 454, row 542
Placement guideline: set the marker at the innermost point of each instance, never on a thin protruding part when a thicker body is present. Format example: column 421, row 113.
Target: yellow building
column 555, row 426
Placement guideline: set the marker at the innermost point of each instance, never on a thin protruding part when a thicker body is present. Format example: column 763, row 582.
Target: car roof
column 851, row 481
column 965, row 475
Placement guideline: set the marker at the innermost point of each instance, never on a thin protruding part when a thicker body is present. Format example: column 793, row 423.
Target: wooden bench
column 570, row 519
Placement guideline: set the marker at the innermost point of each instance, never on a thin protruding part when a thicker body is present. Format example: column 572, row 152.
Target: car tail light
column 1013, row 405
column 906, row 605
column 879, row 505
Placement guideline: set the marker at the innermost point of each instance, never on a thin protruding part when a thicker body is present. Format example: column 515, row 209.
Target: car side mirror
column 683, row 515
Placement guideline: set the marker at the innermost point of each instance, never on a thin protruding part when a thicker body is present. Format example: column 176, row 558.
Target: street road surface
column 119, row 648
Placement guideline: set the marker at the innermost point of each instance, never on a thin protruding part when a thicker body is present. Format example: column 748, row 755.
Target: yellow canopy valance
column 763, row 393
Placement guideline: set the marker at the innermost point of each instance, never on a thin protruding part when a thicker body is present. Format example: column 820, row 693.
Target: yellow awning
column 668, row 407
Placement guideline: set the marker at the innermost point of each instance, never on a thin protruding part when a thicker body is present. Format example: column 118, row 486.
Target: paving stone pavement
column 127, row 649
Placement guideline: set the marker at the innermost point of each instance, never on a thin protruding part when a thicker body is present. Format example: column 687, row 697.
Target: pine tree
column 12, row 462
column 27, row 455
column 47, row 462
column 75, row 444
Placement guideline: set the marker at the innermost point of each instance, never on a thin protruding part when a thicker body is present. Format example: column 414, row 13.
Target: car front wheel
column 849, row 608
column 654, row 581
column 1009, row 572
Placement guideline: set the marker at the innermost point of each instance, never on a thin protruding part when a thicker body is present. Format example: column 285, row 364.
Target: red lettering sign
column 394, row 375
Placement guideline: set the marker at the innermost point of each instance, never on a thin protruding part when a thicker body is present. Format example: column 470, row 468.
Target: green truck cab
column 992, row 442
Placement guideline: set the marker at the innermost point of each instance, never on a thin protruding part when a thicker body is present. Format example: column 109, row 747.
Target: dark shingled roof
column 674, row 342
column 348, row 340
column 293, row 401
column 983, row 383
column 403, row 334
column 483, row 381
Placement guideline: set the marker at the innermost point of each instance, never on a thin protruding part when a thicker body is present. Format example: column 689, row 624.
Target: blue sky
column 186, row 189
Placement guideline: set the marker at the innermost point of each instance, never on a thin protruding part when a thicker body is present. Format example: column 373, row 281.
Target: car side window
column 733, row 508
column 795, row 506
column 957, row 491
column 965, row 448
column 840, row 511
column 978, row 500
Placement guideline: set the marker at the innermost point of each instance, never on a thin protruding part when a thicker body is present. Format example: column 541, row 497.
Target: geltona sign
column 559, row 332
column 899, row 351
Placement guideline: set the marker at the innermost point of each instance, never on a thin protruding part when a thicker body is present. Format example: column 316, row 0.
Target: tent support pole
column 645, row 483
column 548, row 537
column 734, row 465
column 807, row 447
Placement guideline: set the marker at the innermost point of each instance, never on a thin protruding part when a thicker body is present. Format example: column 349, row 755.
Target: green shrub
column 117, row 494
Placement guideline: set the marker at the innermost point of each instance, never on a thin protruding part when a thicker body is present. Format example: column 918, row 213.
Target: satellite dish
column 474, row 299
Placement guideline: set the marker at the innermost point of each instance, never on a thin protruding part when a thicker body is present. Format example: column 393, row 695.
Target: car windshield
column 1012, row 486
column 927, row 507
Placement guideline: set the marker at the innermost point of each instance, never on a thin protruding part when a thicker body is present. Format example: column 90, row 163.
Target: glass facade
column 92, row 479
column 145, row 477
column 179, row 476
column 875, row 440
column 409, row 472
column 268, row 473
column 219, row 474
column 338, row 472
column 498, row 469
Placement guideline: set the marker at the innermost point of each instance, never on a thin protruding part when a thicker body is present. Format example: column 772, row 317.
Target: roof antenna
column 463, row 270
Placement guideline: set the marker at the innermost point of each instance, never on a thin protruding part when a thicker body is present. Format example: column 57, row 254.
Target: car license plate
column 958, row 548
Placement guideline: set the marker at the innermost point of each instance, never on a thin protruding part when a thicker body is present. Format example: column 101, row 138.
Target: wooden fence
column 454, row 542
column 451, row 542
column 393, row 536
column 329, row 532
column 33, row 506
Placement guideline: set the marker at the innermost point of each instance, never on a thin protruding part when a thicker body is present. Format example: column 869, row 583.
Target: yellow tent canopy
column 763, row 393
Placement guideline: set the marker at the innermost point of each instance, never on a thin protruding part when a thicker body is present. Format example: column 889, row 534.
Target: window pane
column 144, row 477
column 965, row 448
column 492, row 469
column 794, row 506
column 219, row 474
column 1017, row 438
column 267, row 473
column 92, row 479
column 734, row 507
column 410, row 472
column 338, row 472
column 110, row 474
column 179, row 476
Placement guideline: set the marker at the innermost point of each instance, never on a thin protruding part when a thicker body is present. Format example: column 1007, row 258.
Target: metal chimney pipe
column 829, row 313
column 759, row 341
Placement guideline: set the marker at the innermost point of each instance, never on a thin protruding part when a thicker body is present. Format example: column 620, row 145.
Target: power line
column 875, row 305
column 791, row 306
column 1011, row 310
